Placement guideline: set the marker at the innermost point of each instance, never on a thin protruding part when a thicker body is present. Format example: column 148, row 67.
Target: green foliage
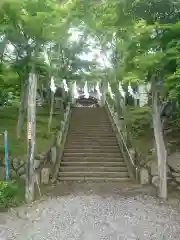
column 144, row 38
column 11, row 194
column 138, row 120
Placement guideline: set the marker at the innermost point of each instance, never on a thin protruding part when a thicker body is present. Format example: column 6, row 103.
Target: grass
column 11, row 194
column 8, row 121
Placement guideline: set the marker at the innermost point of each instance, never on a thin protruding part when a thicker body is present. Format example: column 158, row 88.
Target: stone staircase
column 91, row 151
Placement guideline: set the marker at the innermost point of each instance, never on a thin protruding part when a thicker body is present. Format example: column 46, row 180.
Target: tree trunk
column 22, row 109
column 118, row 103
column 160, row 145
column 31, row 137
column 51, row 112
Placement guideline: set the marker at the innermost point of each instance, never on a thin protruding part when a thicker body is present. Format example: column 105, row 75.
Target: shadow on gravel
column 105, row 189
column 97, row 188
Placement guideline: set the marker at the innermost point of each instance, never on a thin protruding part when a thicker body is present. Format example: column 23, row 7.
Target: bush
column 11, row 194
column 138, row 120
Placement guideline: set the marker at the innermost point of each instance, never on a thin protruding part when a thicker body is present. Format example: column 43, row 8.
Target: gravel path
column 92, row 211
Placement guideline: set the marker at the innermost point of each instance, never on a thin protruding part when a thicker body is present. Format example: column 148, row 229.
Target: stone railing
column 59, row 143
column 127, row 153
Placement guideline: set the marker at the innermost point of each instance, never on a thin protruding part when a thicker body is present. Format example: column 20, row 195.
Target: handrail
column 61, row 140
column 125, row 145
column 115, row 121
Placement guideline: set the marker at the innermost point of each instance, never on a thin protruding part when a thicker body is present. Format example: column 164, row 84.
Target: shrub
column 11, row 194
column 138, row 120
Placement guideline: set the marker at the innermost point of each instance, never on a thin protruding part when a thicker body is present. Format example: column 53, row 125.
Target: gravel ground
column 94, row 211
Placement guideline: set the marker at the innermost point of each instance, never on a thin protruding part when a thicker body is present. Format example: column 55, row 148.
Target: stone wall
column 148, row 168
column 173, row 170
column 17, row 165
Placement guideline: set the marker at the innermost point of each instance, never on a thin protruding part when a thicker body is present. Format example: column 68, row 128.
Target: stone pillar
column 102, row 100
column 53, row 155
column 71, row 93
column 45, row 174
column 104, row 90
column 144, row 176
column 57, row 103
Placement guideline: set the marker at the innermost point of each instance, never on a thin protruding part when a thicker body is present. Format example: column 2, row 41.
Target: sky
column 95, row 51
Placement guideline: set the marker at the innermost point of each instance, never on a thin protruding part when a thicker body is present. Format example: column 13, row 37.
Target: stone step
column 89, row 155
column 91, row 141
column 88, row 109
column 94, row 109
column 94, row 164
column 93, row 158
column 94, row 116
column 98, row 114
column 92, row 150
column 84, row 114
column 89, row 126
column 93, row 113
column 94, row 174
column 102, row 115
column 105, row 129
column 72, row 142
column 62, row 178
column 90, row 118
column 84, row 111
column 90, row 146
column 92, row 169
column 88, row 122
column 98, row 111
column 92, row 134
column 91, row 130
column 94, row 147
column 92, row 138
